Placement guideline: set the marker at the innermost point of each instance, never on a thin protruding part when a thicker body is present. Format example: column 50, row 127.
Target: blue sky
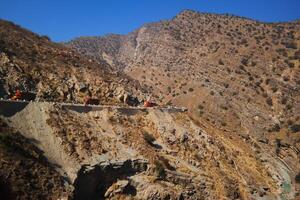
column 63, row 20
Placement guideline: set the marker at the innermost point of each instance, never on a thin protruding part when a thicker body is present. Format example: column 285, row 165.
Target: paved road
column 9, row 108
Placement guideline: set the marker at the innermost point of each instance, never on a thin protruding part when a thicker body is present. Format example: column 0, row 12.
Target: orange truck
column 148, row 104
column 91, row 101
column 28, row 96
column 17, row 96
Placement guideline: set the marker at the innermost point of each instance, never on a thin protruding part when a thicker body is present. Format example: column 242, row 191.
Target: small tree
column 221, row 62
column 169, row 89
column 291, row 45
column 269, row 101
column 244, row 61
column 200, row 107
column 223, row 123
column 295, row 128
column 160, row 170
column 148, row 138
column 297, row 178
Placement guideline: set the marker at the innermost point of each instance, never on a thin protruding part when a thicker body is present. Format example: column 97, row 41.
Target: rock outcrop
column 136, row 153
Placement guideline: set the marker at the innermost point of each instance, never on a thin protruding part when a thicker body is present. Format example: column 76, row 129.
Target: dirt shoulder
column 24, row 171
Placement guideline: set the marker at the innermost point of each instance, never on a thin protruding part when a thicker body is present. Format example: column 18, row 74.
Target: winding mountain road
column 9, row 108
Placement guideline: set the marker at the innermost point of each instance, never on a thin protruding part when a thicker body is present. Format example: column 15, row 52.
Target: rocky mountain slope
column 53, row 72
column 240, row 138
column 237, row 73
column 137, row 153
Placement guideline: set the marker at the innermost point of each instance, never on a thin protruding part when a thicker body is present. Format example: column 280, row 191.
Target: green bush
column 295, row 128
column 291, row 45
column 169, row 89
column 269, row 101
column 275, row 128
column 45, row 37
column 160, row 170
column 166, row 163
column 244, row 61
column 148, row 138
column 297, row 55
column 200, row 107
column 297, row 178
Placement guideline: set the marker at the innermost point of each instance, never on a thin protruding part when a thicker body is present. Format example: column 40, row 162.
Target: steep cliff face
column 132, row 153
column 237, row 73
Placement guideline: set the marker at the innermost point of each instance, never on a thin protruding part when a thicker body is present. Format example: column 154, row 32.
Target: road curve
column 9, row 108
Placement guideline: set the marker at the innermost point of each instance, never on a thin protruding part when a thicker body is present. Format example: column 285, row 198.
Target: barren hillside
column 53, row 72
column 239, row 139
column 25, row 172
column 237, row 73
column 134, row 153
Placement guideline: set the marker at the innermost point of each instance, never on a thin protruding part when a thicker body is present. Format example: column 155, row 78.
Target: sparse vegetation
column 297, row 178
column 240, row 67
column 269, row 101
column 275, row 128
column 148, row 138
column 274, row 89
column 244, row 61
column 200, row 107
column 291, row 45
column 295, row 128
column 289, row 106
column 169, row 89
column 160, row 170
column 166, row 163
column 46, row 37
